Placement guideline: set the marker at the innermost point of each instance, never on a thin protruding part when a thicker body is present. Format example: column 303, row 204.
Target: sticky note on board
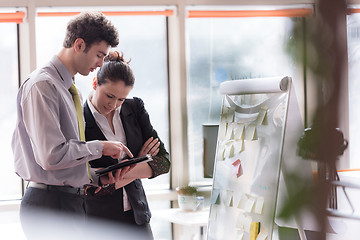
column 238, row 130
column 259, row 204
column 231, row 204
column 228, row 117
column 263, row 234
column 229, row 150
column 239, row 171
column 246, row 202
column 243, row 201
column 228, row 111
column 226, row 197
column 237, row 165
column 215, row 195
column 249, row 204
column 238, row 146
column 229, row 132
column 254, row 230
column 220, row 156
column 251, row 132
column 240, row 223
column 247, row 223
column 218, row 199
column 261, row 118
column 222, row 130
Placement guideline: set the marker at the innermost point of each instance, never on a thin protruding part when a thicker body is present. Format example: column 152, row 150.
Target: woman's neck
column 109, row 117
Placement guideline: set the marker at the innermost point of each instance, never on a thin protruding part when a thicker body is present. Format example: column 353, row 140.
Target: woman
column 109, row 115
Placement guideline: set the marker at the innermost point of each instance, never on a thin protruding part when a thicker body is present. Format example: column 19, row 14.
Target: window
column 353, row 36
column 148, row 61
column 10, row 183
column 221, row 49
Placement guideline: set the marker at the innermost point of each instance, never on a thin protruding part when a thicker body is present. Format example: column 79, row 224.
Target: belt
column 66, row 189
column 107, row 189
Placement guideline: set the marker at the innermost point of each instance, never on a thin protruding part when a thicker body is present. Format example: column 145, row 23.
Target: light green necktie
column 79, row 114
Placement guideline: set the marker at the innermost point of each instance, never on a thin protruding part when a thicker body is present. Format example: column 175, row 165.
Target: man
column 47, row 144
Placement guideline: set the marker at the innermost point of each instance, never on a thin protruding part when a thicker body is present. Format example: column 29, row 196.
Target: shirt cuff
column 95, row 148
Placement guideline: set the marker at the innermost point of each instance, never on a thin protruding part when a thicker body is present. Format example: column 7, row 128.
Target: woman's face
column 109, row 96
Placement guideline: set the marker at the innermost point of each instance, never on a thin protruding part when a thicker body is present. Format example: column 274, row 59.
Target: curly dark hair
column 115, row 69
column 92, row 27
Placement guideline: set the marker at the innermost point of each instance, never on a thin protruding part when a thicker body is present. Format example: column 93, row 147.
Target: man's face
column 87, row 62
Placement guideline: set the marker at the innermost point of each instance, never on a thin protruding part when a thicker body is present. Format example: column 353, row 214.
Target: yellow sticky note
column 254, row 230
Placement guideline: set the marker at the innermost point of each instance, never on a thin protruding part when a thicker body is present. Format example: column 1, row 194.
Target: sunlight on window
column 221, row 49
column 353, row 27
column 10, row 183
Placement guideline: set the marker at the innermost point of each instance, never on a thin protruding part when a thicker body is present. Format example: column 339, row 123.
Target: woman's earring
column 94, row 83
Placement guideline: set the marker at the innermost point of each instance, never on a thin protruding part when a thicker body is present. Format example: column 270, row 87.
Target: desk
column 198, row 219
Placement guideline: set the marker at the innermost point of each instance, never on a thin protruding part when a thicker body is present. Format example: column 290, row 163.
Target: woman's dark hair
column 92, row 27
column 115, row 69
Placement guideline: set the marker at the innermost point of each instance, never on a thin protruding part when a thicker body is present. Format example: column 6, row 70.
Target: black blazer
column 138, row 129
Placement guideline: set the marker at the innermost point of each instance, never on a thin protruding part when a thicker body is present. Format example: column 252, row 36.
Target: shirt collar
column 63, row 71
column 91, row 106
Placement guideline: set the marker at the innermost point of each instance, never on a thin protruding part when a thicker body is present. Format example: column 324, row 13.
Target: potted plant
column 188, row 199
column 187, row 190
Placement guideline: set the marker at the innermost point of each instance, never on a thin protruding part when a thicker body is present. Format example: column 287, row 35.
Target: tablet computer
column 122, row 164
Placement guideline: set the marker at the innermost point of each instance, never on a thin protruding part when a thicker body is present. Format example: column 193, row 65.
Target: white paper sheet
column 255, row 85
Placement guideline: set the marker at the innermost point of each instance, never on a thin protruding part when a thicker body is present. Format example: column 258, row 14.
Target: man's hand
column 115, row 149
column 151, row 146
column 111, row 178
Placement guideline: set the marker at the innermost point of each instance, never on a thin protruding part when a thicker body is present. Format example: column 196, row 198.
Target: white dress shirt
column 117, row 135
column 45, row 142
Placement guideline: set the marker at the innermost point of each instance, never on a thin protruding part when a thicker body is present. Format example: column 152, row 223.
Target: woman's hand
column 111, row 178
column 151, row 146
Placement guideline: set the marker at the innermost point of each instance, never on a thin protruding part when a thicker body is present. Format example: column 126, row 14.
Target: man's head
column 92, row 27
column 88, row 38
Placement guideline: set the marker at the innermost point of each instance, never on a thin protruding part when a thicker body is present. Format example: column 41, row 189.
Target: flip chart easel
column 255, row 134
